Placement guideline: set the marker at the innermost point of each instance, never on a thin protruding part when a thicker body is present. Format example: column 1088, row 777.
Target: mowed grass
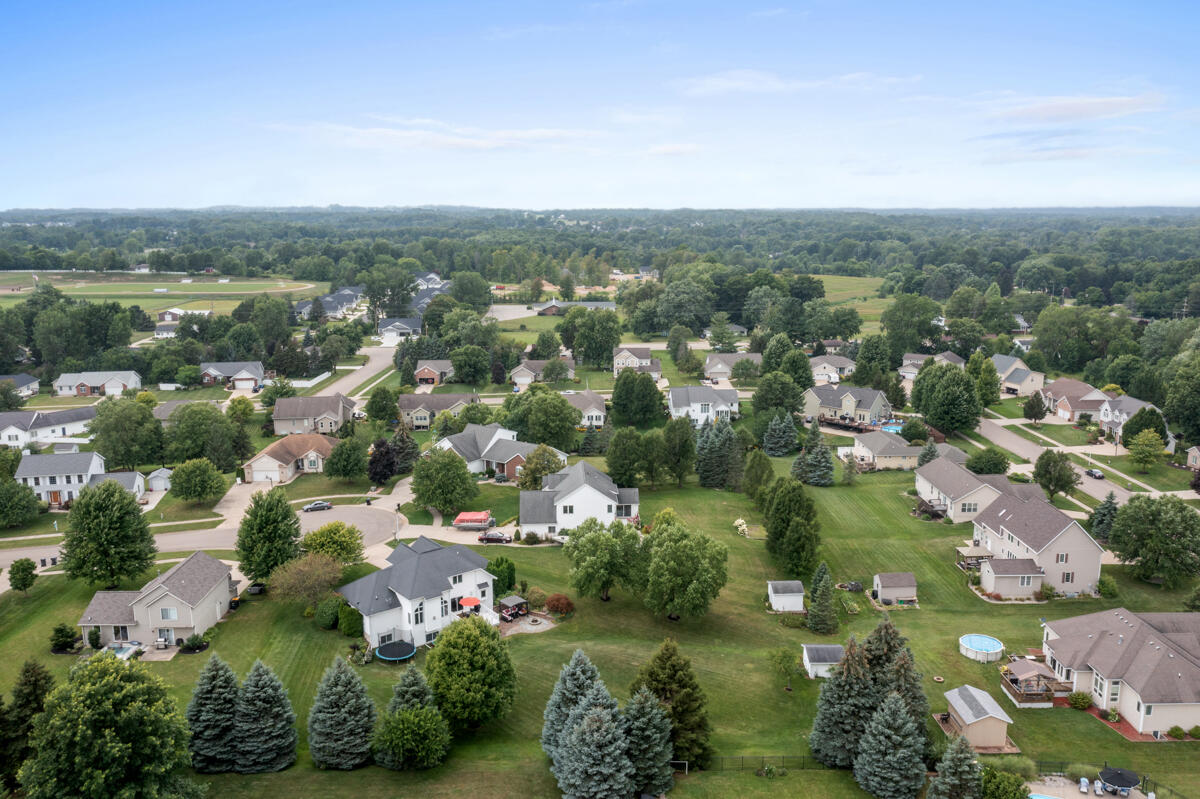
column 173, row 509
column 1065, row 434
column 1009, row 408
column 1159, row 476
column 842, row 288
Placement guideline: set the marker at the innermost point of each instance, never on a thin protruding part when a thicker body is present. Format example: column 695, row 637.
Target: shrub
column 1045, row 593
column 1015, row 764
column 94, row 638
column 1107, row 587
column 350, row 622
column 1114, row 716
column 1080, row 700
column 560, row 604
column 925, row 517
column 327, row 613
column 947, row 520
column 1077, row 771
column 194, row 643
column 536, row 597
column 1176, row 732
column 1194, row 732
column 530, row 537
column 912, row 492
column 62, row 637
column 794, row 621
column 1019, row 477
column 975, row 579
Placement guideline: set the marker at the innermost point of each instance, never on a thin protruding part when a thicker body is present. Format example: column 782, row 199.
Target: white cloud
column 1081, row 107
column 754, row 81
column 408, row 133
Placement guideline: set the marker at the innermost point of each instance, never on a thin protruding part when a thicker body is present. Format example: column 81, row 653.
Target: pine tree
column 708, row 464
column 818, row 464
column 668, row 675
column 406, row 450
column 592, row 760
column 722, row 462
column 590, row 445
column 881, row 647
column 1103, row 516
column 798, row 550
column 411, row 691
column 212, row 718
column 648, row 733
column 265, row 730
column 822, row 616
column 928, row 452
column 575, row 680
column 758, row 473
column 341, row 720
column 34, row 684
column 904, row 679
column 382, row 464
column 888, row 764
column 843, row 709
column 958, row 775
column 798, row 466
column 780, row 438
column 821, row 572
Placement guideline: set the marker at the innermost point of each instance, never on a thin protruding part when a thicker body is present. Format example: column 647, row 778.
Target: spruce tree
column 648, row 735
column 265, row 732
column 668, row 675
column 888, row 764
column 780, row 437
column 958, row 775
column 212, row 718
column 799, row 547
column 1103, row 516
column 341, row 720
column 818, row 464
column 405, row 449
column 798, row 466
column 593, row 758
column 928, row 452
column 758, row 473
column 576, row 678
column 709, row 467
column 820, row 572
column 411, row 691
column 843, row 709
column 34, row 684
column 822, row 616
column 904, row 679
column 882, row 646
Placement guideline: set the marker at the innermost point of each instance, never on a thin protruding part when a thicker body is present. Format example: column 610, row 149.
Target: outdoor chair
column 1099, row 786
column 1085, row 785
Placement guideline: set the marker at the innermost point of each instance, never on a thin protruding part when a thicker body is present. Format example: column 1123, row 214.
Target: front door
column 55, row 498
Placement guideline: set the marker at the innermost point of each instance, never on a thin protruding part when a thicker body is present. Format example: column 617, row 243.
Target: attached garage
column 246, row 383
column 159, row 480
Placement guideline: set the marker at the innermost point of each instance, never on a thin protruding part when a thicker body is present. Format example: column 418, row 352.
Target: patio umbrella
column 1119, row 777
column 469, row 602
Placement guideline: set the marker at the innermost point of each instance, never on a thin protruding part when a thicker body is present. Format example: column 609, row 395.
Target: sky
column 614, row 103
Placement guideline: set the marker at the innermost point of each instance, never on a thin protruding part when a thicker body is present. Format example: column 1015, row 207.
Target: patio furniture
column 1085, row 785
column 1099, row 786
column 160, row 643
column 1119, row 779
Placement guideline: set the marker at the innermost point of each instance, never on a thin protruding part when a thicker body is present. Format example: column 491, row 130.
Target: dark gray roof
column 951, row 452
column 436, row 364
column 951, row 357
column 1017, row 376
column 1034, row 522
column 19, row 380
column 537, row 507
column 472, row 441
column 836, row 361
column 512, row 601
column 421, row 570
column 433, row 402
column 730, row 358
column 20, row 419
column 579, row 474
column 951, row 478
column 1022, row 491
column 683, row 396
column 411, row 323
column 1004, row 362
column 67, row 416
column 822, row 654
column 584, row 400
column 896, row 579
column 637, row 352
column 192, row 578
column 110, row 607
column 231, row 368
column 503, row 450
column 863, row 397
column 58, row 463
column 786, row 586
column 162, row 411
column 312, row 407
column 127, row 480
column 973, row 705
column 881, row 442
column 628, row 496
column 1014, row 567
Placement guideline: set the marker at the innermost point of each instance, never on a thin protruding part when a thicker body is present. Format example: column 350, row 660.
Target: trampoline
column 395, row 651
column 983, row 648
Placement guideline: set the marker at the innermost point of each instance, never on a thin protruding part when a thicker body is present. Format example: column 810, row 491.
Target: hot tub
column 983, row 648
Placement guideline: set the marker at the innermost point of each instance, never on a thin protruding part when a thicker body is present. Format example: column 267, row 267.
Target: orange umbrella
column 469, row 602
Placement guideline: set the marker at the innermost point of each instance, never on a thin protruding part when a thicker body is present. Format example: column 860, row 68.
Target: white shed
column 820, row 658
column 159, row 480
column 786, row 595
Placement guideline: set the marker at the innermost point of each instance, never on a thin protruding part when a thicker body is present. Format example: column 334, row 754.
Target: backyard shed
column 899, row 587
column 159, row 480
column 978, row 717
column 786, row 595
column 820, row 658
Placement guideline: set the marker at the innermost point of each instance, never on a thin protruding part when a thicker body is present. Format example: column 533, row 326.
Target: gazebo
column 1028, row 681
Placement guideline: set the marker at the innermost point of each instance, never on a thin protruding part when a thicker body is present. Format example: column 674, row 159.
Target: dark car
column 256, row 389
column 495, row 537
column 1096, row 473
column 320, row 504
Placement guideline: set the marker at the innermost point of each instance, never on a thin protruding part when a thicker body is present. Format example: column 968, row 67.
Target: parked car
column 320, row 504
column 1096, row 473
column 495, row 537
column 256, row 389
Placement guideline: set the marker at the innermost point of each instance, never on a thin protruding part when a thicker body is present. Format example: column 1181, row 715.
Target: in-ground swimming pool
column 892, row 428
column 1040, row 796
column 983, row 648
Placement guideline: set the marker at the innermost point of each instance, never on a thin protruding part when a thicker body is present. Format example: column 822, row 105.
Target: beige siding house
column 530, row 371
column 1069, row 558
column 1010, row 577
column 636, row 358
column 419, row 410
column 896, row 586
column 592, row 411
column 953, row 490
column 880, row 449
column 311, row 414
column 719, row 365
column 1016, row 378
column 433, row 372
column 1193, row 457
column 830, row 368
column 303, row 453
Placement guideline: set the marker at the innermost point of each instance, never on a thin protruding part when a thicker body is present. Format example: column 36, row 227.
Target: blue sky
column 614, row 104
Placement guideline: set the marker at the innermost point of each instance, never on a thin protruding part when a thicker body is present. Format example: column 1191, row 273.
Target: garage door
column 244, row 382
column 263, row 475
column 522, row 380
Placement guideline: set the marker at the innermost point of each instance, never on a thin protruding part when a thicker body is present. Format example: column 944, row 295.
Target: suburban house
column 590, row 406
column 573, row 494
column 424, row 296
column 95, row 384
column 334, row 305
column 636, row 358
column 58, row 478
column 1020, row 325
column 786, row 596
column 911, row 362
column 719, row 365
column 492, row 447
column 165, row 330
column 830, row 368
column 159, row 480
column 236, row 374
column 1024, row 343
column 1067, row 398
column 852, row 403
column 302, row 453
column 26, row 385
column 183, row 601
column 418, row 411
column 530, row 370
column 19, row 428
column 1016, row 377
column 898, row 587
column 880, row 449
column 1193, row 457
column 735, row 329
column 559, row 307
column 393, row 330
column 947, row 488
column 1146, row 665
column 430, row 280
column 163, row 410
column 1069, row 558
column 819, row 659
column 175, row 314
column 311, row 414
column 421, row 592
column 1116, row 411
column 1010, row 577
column 433, row 372
column 978, row 717
column 702, row 403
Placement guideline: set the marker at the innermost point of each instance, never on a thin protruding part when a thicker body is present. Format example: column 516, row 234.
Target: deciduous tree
column 197, row 480
column 1145, row 449
column 471, row 673
column 126, row 433
column 348, row 461
column 685, row 572
column 381, row 466
column 541, row 462
column 441, row 481
column 107, row 536
column 624, row 457
column 602, row 557
column 1159, row 536
column 269, row 534
column 412, row 738
column 988, row 460
column 308, row 578
column 22, row 574
column 679, row 448
column 1034, row 408
column 18, row 503
column 1054, row 472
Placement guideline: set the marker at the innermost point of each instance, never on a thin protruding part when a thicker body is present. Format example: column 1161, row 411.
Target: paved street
column 378, row 360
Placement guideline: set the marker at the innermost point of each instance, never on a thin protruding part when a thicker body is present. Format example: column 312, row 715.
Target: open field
column 1009, row 408
column 859, row 292
column 203, row 293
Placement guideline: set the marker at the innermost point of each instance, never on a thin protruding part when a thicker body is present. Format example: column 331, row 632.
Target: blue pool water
column 1039, row 796
column 892, row 428
column 981, row 643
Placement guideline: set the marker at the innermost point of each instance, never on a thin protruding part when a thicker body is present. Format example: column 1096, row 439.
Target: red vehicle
column 474, row 520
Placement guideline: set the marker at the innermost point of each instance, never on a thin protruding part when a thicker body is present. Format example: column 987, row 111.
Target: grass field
column 983, row 442
column 1065, row 434
column 173, row 509
column 861, row 293
column 1160, row 476
column 48, row 400
column 128, row 289
column 42, row 524
column 1009, row 408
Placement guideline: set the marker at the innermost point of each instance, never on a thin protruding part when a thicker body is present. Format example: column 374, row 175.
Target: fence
column 1148, row 783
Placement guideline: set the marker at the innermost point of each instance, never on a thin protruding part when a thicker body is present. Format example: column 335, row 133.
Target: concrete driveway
column 378, row 359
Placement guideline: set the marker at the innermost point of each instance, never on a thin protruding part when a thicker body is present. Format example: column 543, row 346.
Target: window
column 1026, row 580
column 37, row 481
column 568, row 510
column 1068, row 577
column 1010, row 538
column 120, row 633
column 456, row 579
column 1114, row 691
column 445, row 607
column 551, row 529
column 53, row 480
column 67, row 479
column 79, row 479
column 418, row 615
column 1097, row 685
column 168, row 614
column 312, row 463
column 1061, row 557
column 386, row 638
column 970, row 507
column 430, row 636
column 1149, row 709
column 704, row 407
column 455, row 604
column 609, row 509
column 483, row 593
column 624, row 511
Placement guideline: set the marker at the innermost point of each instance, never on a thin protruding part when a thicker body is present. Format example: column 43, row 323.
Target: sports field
column 153, row 292
column 860, row 293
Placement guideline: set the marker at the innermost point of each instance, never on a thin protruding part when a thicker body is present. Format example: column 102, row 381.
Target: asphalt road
column 379, row 359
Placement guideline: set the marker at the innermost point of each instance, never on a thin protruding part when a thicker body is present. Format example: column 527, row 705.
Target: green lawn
column 9, row 543
column 983, row 442
column 1009, row 408
column 312, row 391
column 467, row 388
column 191, row 394
column 1027, row 434
column 1065, row 434
column 526, row 329
column 415, row 513
column 173, row 509
column 387, row 380
column 45, row 400
column 1160, row 476
column 42, row 523
column 318, row 486
column 502, row 500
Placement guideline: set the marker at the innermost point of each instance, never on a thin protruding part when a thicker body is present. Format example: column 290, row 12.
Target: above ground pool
column 983, row 648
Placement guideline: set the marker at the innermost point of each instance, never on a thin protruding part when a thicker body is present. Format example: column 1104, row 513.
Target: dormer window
column 456, row 579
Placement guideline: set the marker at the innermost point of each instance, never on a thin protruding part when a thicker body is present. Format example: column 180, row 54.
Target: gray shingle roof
column 684, row 396
column 110, row 607
column 1018, row 376
column 20, row 381
column 421, row 570
column 786, row 586
column 730, row 358
column 162, row 411
column 973, row 705
column 950, row 478
column 537, row 507
column 585, row 400
column 433, row 402
column 504, row 450
column 22, row 420
column 951, row 452
column 96, row 378
column 68, row 416
column 822, row 654
column 411, row 323
column 231, row 368
column 436, row 364
column 952, row 357
column 1034, row 522
column 638, row 352
column 1014, row 567
column 832, row 395
column 127, row 480
column 1004, row 362
column 836, row 361
column 312, row 407
column 192, row 578
column 470, row 443
column 58, row 463
column 897, row 580
column 881, row 442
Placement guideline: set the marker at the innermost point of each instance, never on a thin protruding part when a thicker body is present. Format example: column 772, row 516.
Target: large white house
column 1146, row 665
column 58, row 478
column 568, row 497
column 421, row 592
column 25, row 385
column 954, row 491
column 1116, row 411
column 591, row 407
column 491, row 446
column 703, row 403
column 393, row 330
column 236, row 374
column 20, row 428
column 95, row 384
